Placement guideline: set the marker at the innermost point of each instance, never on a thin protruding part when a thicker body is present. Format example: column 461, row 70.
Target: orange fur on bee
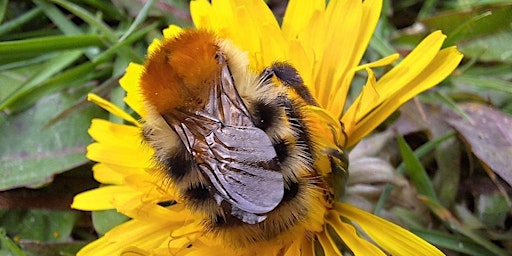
column 181, row 71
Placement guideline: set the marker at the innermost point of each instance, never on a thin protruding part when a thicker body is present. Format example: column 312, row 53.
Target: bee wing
column 238, row 158
column 225, row 103
column 243, row 168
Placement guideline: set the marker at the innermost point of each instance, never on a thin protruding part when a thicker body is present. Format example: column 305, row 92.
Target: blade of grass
column 451, row 222
column 101, row 90
column 58, row 82
column 70, row 78
column 458, row 32
column 485, row 82
column 96, row 23
column 90, row 19
column 51, row 68
column 58, row 18
column 419, row 152
column 452, row 105
column 37, row 46
column 8, row 244
column 415, row 170
column 3, row 6
column 427, row 8
column 138, row 20
column 63, row 23
column 382, row 46
column 453, row 242
column 135, row 36
column 31, row 34
column 29, row 62
column 108, row 8
column 19, row 21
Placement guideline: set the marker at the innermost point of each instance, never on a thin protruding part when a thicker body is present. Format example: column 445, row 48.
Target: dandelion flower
column 325, row 44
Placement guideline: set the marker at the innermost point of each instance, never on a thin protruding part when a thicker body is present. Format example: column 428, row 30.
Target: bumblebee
column 236, row 144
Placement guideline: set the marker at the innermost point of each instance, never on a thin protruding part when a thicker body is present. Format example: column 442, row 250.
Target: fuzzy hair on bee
column 234, row 142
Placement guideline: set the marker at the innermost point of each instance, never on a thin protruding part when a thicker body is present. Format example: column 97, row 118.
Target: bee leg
column 290, row 77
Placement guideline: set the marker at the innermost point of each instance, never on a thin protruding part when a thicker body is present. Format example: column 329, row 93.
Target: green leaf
column 68, row 248
column 489, row 136
column 482, row 20
column 38, row 224
column 490, row 48
column 104, row 221
column 31, row 153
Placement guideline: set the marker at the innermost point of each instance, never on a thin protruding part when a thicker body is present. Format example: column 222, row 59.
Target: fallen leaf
column 489, row 134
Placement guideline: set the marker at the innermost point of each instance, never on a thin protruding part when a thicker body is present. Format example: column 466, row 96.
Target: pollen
column 181, row 72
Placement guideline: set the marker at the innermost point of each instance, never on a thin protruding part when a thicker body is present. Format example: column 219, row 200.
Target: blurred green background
column 453, row 143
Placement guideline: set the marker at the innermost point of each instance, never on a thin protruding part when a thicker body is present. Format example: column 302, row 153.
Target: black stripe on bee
column 296, row 120
column 265, row 114
column 290, row 77
column 177, row 164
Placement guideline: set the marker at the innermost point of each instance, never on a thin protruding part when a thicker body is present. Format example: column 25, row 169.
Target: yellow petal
column 152, row 212
column 438, row 69
column 298, row 15
column 104, row 174
column 295, row 248
column 118, row 145
column 414, row 62
column 328, row 245
column 263, row 31
column 119, row 175
column 107, row 105
column 103, row 198
column 200, row 11
column 214, row 17
column 303, row 60
column 379, row 63
column 120, row 134
column 132, row 234
column 400, row 76
column 308, row 248
column 99, row 247
column 389, row 236
column 368, row 95
column 130, row 83
column 337, row 50
column 153, row 46
column 347, row 232
column 172, row 31
column 117, row 155
column 357, row 30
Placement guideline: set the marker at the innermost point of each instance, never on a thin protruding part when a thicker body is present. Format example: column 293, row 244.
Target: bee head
column 181, row 72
